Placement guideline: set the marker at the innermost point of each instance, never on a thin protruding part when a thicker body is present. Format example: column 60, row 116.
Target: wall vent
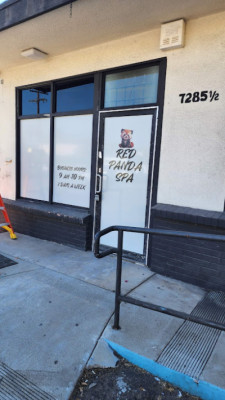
column 172, row 35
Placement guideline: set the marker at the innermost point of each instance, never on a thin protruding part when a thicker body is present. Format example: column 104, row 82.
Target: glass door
column 124, row 175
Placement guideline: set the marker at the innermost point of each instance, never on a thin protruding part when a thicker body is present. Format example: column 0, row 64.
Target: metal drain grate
column 6, row 262
column 190, row 348
column 211, row 307
column 14, row 386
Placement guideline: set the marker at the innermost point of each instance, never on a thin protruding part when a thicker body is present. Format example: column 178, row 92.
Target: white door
column 124, row 164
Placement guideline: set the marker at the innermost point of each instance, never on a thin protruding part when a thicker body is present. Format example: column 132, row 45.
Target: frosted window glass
column 35, row 144
column 134, row 87
column 72, row 160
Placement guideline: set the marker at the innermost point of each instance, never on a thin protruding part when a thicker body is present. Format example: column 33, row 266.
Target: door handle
column 99, row 184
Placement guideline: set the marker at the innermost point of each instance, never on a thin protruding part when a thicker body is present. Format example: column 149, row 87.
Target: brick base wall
column 195, row 261
column 60, row 224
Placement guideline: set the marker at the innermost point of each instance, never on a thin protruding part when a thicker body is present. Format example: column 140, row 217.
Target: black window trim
column 99, row 92
column 134, row 67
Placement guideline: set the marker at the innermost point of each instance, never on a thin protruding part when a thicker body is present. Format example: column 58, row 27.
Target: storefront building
column 108, row 122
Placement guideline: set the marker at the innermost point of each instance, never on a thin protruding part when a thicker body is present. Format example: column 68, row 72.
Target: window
column 128, row 88
column 72, row 160
column 59, row 159
column 55, row 124
column 34, row 152
column 75, row 97
column 36, row 101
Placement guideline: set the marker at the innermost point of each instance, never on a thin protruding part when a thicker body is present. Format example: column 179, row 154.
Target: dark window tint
column 75, row 97
column 128, row 88
column 36, row 101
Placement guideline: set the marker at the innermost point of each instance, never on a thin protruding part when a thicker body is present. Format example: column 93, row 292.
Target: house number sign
column 195, row 97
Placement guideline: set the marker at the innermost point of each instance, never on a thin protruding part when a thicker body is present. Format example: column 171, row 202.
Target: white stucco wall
column 192, row 160
column 192, row 168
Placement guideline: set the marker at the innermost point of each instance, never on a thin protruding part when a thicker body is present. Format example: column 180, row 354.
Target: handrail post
column 130, row 300
column 118, row 280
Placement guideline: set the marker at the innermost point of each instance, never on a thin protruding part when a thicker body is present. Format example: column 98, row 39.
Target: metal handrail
column 119, row 251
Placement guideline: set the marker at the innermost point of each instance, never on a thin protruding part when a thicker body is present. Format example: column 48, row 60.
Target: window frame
column 21, row 101
column 72, row 83
column 99, row 78
column 133, row 68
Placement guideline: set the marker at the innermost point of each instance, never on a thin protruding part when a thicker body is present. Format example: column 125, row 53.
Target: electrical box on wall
column 172, row 35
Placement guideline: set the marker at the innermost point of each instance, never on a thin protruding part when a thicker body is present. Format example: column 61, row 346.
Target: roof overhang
column 86, row 23
column 13, row 12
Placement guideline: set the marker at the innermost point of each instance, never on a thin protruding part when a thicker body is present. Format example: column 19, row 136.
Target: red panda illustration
column 126, row 136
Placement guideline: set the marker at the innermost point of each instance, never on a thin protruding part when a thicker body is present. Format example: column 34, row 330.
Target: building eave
column 14, row 12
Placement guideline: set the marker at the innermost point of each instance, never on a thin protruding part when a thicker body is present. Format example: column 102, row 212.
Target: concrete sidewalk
column 56, row 316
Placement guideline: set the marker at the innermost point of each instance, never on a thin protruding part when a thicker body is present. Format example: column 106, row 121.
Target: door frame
column 153, row 110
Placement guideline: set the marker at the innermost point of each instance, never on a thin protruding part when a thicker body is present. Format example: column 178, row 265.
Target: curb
column 203, row 389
